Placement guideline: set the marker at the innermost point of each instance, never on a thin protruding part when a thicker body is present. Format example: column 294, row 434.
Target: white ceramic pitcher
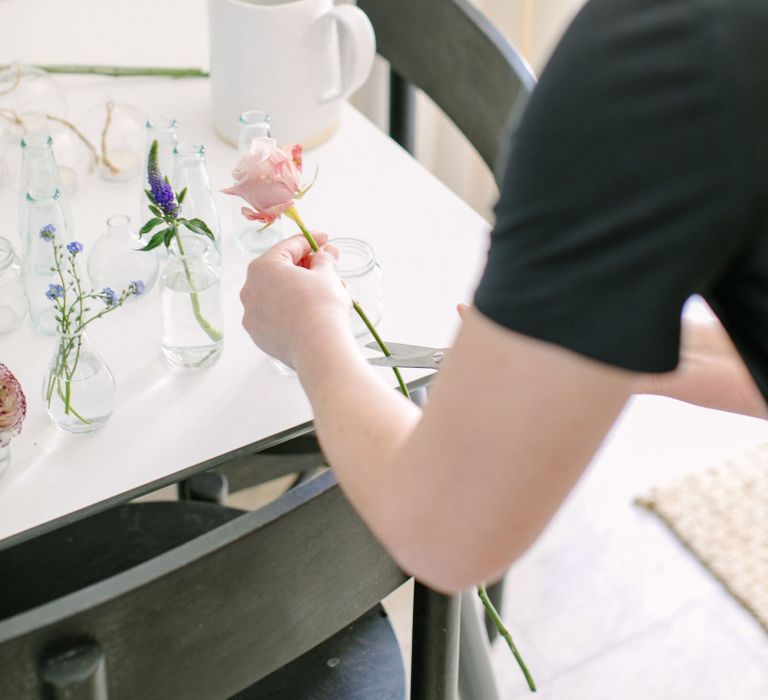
column 295, row 59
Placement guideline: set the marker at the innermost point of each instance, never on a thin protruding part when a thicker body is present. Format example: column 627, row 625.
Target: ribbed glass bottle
column 251, row 236
column 189, row 172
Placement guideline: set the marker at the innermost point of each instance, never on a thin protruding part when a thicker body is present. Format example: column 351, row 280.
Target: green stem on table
column 120, row 71
column 504, row 632
column 210, row 331
column 294, row 216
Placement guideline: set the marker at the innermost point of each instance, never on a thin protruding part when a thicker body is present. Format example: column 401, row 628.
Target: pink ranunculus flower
column 13, row 406
column 268, row 178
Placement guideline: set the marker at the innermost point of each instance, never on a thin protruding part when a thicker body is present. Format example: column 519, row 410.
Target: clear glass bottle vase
column 251, row 236
column 115, row 259
column 43, row 209
column 78, row 390
column 13, row 300
column 40, row 176
column 162, row 130
column 190, row 294
column 190, row 173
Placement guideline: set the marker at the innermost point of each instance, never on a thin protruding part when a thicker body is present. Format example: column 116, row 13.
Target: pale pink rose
column 13, row 406
column 268, row 178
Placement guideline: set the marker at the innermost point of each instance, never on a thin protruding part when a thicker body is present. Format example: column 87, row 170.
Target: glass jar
column 361, row 273
column 13, row 301
column 162, row 130
column 78, row 390
column 192, row 311
column 42, row 209
column 251, row 236
column 189, row 172
column 115, row 259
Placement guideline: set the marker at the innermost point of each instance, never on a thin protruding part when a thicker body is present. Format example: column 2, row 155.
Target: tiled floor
column 608, row 604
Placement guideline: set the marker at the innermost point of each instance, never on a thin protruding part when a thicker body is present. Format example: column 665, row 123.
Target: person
column 638, row 177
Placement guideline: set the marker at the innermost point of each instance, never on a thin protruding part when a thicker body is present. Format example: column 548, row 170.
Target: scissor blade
column 406, row 350
column 421, row 362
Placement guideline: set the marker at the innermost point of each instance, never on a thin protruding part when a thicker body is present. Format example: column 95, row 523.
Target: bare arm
column 459, row 493
column 711, row 373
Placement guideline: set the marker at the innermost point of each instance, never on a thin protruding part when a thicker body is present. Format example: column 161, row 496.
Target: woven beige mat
column 721, row 515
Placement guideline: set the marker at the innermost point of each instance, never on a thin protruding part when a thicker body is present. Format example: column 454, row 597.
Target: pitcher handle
column 357, row 49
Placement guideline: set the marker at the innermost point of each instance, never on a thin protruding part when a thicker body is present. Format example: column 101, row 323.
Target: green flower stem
column 504, row 632
column 210, row 331
column 294, row 215
column 121, row 71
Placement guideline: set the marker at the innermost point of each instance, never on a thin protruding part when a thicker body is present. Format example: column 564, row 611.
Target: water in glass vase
column 192, row 307
column 79, row 390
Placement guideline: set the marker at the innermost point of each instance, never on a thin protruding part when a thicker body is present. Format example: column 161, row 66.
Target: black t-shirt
column 639, row 176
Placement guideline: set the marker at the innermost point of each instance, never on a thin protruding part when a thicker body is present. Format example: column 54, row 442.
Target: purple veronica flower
column 136, row 287
column 75, row 247
column 161, row 190
column 108, row 296
column 55, row 291
column 48, row 232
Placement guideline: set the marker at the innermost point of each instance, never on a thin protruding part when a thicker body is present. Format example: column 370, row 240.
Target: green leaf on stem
column 198, row 226
column 155, row 210
column 169, row 233
column 155, row 241
column 146, row 228
column 149, row 196
column 181, row 196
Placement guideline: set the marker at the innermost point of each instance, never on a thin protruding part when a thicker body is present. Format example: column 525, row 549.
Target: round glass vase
column 78, row 390
column 190, row 295
column 115, row 259
column 13, row 300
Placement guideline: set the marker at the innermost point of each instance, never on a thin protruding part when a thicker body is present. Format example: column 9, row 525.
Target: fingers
column 325, row 258
column 296, row 248
column 462, row 309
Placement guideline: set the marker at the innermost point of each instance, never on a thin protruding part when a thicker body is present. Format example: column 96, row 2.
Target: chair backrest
column 448, row 49
column 204, row 619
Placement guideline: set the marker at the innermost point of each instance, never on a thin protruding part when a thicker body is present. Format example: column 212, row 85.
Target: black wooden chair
column 448, row 49
column 194, row 600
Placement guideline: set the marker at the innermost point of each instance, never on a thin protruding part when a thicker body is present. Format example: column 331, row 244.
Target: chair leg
column 402, row 110
column 476, row 679
column 496, row 595
column 435, row 653
column 77, row 672
column 208, row 487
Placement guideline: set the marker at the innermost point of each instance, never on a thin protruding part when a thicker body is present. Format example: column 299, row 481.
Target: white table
column 429, row 243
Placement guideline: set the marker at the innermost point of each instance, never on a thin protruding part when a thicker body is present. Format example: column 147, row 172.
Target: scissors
column 408, row 356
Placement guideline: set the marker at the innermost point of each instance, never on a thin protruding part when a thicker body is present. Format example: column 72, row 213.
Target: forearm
column 362, row 424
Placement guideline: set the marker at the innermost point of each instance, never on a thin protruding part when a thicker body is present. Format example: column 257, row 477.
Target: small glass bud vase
column 115, row 259
column 361, row 273
column 43, row 209
column 78, row 390
column 190, row 293
column 251, row 236
column 189, row 172
column 13, row 300
column 117, row 129
column 162, row 130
